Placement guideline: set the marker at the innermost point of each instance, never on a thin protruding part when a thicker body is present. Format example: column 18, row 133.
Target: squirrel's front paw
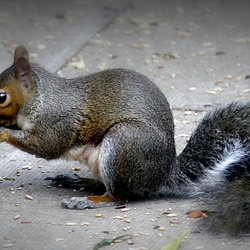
column 88, row 202
column 4, row 134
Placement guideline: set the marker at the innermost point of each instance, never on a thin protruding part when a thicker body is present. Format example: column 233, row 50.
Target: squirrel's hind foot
column 81, row 203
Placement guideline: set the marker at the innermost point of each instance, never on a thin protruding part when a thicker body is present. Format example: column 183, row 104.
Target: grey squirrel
column 121, row 125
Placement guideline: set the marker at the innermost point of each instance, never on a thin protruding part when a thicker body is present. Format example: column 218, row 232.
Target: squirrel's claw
column 72, row 180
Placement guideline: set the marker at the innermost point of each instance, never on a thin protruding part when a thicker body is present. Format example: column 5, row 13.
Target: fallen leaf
column 196, row 213
column 106, row 242
column 78, row 65
column 175, row 243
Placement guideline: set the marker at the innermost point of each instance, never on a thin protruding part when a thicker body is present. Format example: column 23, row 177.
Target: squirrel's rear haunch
column 120, row 124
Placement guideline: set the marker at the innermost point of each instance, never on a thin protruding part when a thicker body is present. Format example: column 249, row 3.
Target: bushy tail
column 228, row 197
column 217, row 162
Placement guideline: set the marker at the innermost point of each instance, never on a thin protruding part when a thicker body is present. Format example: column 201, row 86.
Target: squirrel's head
column 16, row 86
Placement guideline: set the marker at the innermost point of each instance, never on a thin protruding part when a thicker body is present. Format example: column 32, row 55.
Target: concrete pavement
column 198, row 54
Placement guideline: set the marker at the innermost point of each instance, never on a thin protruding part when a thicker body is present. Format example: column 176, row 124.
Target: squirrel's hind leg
column 132, row 161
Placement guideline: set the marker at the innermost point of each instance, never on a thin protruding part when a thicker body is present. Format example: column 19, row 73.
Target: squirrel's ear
column 23, row 74
column 20, row 51
column 23, row 69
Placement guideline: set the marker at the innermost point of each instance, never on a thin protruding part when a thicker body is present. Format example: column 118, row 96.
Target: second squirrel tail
column 216, row 160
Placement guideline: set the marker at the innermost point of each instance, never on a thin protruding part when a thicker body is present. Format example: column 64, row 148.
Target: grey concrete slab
column 186, row 47
column 196, row 51
column 55, row 30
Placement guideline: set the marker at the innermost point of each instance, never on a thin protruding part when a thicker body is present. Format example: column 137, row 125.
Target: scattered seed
column 182, row 34
column 192, row 88
column 171, row 55
column 172, row 75
column 246, row 90
column 211, row 92
column 241, row 40
column 218, row 81
column 208, row 45
column 28, row 197
column 84, row 224
column 141, row 46
column 125, row 228
column 17, row 217
column 229, row 77
column 70, row 223
column 181, row 135
column 188, row 112
column 118, row 217
column 117, row 241
column 7, row 245
column 127, row 220
column 136, row 234
column 28, row 166
column 161, row 229
column 218, row 89
column 59, row 239
column 202, row 53
column 142, row 21
column 174, row 222
column 125, row 209
column 98, row 215
column 171, row 215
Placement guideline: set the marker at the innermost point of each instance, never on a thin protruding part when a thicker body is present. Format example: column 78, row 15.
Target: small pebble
column 160, row 235
column 161, row 229
column 130, row 242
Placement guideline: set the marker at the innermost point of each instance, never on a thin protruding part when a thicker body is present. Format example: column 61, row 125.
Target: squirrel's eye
column 4, row 99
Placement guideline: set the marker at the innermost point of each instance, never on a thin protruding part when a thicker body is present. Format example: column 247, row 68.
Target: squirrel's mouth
column 9, row 122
